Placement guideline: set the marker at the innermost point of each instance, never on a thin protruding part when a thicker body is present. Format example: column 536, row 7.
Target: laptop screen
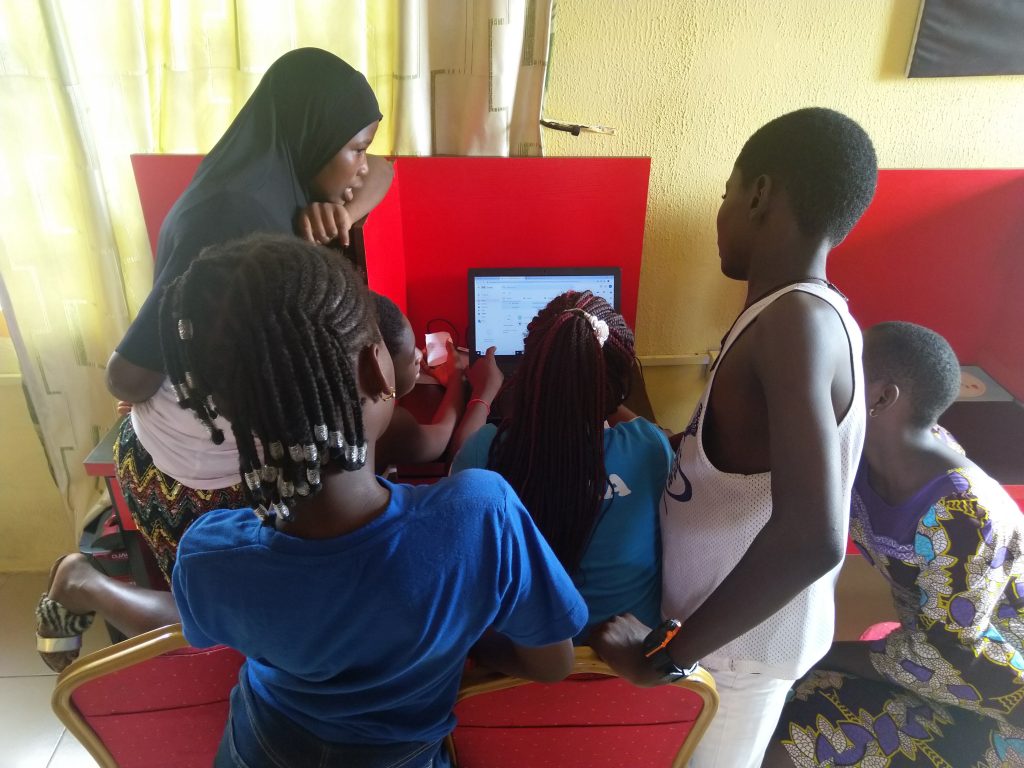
column 502, row 302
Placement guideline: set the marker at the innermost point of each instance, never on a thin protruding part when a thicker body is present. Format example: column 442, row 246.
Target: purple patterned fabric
column 953, row 670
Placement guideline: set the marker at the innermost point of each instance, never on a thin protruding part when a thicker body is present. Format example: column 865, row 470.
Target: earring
column 871, row 412
column 389, row 395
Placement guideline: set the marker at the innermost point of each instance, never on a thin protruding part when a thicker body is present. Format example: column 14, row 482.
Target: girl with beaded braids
column 590, row 471
column 354, row 600
column 293, row 161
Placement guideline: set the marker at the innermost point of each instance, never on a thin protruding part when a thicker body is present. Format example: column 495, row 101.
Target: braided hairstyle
column 269, row 327
column 391, row 323
column 551, row 446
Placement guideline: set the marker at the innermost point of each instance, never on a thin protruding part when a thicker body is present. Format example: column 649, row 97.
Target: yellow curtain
column 83, row 85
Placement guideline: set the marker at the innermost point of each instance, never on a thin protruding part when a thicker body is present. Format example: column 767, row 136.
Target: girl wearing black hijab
column 293, row 161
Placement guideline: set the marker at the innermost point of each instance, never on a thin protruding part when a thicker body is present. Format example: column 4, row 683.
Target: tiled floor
column 32, row 737
column 30, row 734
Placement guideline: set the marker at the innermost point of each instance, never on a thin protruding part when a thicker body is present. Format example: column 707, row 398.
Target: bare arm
column 130, row 382
column 638, row 402
column 544, row 664
column 407, row 441
column 794, row 363
column 485, row 380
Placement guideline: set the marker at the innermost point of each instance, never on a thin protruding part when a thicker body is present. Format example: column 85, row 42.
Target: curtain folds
column 83, row 85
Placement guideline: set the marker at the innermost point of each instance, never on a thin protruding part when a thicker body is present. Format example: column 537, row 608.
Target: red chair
column 151, row 701
column 593, row 719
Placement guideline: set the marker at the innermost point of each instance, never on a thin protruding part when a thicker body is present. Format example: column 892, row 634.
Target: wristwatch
column 655, row 649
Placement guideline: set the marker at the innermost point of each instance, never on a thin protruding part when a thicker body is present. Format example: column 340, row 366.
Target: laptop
column 503, row 301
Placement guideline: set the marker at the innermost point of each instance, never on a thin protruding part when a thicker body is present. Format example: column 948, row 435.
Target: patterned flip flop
column 58, row 630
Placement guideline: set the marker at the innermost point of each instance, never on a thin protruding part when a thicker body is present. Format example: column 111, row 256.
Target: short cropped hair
column 917, row 360
column 390, row 321
column 825, row 162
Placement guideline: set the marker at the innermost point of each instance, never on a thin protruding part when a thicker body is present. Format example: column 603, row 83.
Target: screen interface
column 505, row 304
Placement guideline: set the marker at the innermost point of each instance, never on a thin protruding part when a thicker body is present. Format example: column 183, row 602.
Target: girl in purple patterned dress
column 946, row 687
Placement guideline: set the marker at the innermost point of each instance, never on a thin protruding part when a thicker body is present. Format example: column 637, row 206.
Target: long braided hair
column 270, row 327
column 550, row 447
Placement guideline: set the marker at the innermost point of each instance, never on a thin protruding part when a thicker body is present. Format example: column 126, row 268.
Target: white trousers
column 748, row 711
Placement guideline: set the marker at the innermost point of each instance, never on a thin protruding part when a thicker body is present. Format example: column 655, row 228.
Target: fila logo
column 616, row 487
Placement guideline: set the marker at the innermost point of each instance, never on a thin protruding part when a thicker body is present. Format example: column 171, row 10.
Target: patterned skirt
column 161, row 507
column 838, row 720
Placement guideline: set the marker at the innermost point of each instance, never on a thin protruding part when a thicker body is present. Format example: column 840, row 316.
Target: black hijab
column 307, row 106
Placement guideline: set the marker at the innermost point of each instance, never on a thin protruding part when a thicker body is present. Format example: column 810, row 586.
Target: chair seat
column 188, row 677
column 637, row 746
column 150, row 701
column 579, row 701
column 592, row 719
column 184, row 737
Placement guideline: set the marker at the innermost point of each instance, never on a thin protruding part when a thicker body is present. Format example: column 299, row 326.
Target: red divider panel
column 384, row 245
column 462, row 212
column 943, row 248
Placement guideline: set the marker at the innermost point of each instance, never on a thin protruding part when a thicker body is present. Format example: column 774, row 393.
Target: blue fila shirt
column 621, row 568
column 362, row 638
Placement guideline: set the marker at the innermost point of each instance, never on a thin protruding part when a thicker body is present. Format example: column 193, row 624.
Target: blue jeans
column 257, row 736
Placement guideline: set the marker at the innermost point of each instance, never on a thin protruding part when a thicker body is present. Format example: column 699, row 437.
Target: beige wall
column 687, row 81
column 34, row 526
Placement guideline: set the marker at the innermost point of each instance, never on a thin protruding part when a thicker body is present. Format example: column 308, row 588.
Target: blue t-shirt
column 621, row 568
column 362, row 638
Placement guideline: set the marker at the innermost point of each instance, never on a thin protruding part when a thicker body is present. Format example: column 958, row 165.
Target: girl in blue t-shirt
column 590, row 472
column 354, row 600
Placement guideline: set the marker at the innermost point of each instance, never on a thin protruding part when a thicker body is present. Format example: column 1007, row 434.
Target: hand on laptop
column 484, row 377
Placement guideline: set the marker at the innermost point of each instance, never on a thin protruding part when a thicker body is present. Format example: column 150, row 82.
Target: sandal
column 58, row 630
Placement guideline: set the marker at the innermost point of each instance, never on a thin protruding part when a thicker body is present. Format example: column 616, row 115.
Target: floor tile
column 19, row 593
column 29, row 731
column 71, row 754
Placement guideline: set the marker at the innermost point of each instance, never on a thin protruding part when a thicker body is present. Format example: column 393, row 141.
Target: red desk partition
column 944, row 249
column 444, row 215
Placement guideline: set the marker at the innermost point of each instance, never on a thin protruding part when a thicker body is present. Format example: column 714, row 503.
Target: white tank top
column 709, row 518
column 180, row 445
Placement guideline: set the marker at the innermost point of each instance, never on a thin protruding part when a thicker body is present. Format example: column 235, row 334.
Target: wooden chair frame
column 478, row 681
column 116, row 657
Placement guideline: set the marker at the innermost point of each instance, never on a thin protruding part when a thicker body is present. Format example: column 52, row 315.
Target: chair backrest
column 592, row 719
column 151, row 701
